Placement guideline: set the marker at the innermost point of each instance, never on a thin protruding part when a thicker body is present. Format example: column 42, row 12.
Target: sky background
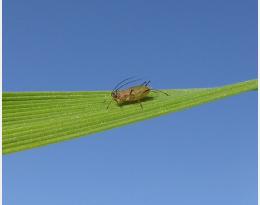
column 205, row 155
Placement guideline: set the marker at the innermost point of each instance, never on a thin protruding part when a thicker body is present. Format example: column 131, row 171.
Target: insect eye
column 113, row 94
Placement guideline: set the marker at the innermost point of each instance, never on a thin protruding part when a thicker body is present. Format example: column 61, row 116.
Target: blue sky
column 205, row 155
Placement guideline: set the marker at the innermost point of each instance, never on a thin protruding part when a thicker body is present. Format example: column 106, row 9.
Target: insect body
column 131, row 94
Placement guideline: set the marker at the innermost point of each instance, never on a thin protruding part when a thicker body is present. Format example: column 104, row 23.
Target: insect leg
column 141, row 105
column 109, row 104
column 146, row 91
column 154, row 90
column 105, row 100
column 131, row 95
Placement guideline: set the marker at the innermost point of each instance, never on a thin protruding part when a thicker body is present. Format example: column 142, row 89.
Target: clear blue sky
column 205, row 155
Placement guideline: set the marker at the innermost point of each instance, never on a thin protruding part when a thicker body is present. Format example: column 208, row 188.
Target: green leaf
column 33, row 119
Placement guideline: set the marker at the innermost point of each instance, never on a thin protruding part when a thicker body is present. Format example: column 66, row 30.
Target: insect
column 131, row 94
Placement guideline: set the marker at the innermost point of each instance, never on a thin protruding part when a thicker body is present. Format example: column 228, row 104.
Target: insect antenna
column 126, row 84
column 118, row 84
column 147, row 83
column 154, row 90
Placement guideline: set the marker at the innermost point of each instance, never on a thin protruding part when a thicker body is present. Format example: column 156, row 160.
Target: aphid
column 131, row 94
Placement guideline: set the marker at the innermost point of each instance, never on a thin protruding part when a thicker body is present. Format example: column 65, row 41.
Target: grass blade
column 33, row 119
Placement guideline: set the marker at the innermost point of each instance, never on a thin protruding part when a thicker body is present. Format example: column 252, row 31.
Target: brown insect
column 131, row 94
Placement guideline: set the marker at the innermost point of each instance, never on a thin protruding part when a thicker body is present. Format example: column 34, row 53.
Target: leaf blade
column 33, row 119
